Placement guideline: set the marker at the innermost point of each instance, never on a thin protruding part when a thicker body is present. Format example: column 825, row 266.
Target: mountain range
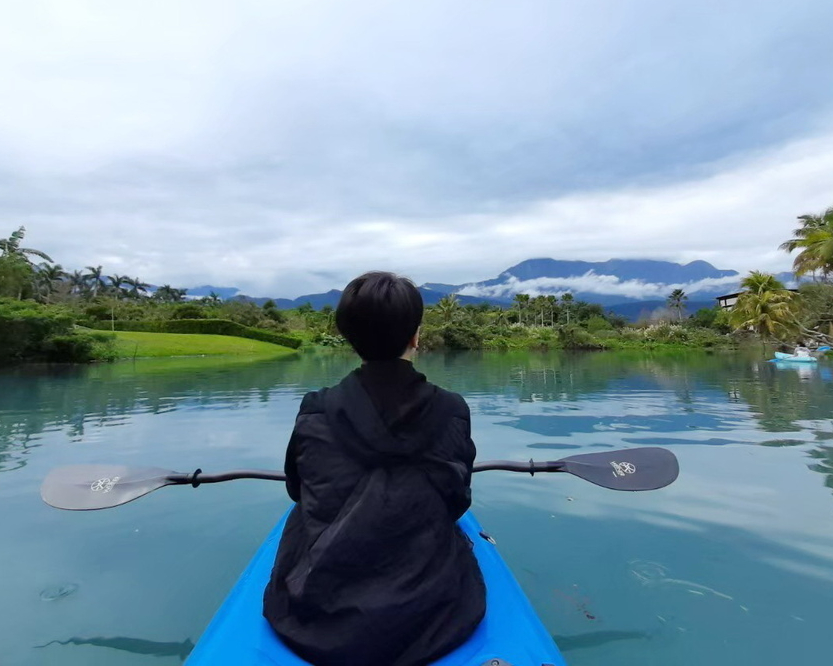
column 630, row 287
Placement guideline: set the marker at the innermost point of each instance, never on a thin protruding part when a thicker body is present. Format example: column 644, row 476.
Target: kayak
column 511, row 634
column 792, row 358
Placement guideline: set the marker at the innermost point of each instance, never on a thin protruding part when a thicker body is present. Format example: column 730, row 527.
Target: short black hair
column 378, row 314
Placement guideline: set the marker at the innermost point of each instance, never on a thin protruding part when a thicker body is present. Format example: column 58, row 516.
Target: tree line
column 765, row 308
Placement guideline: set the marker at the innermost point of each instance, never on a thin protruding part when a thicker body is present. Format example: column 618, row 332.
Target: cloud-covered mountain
column 608, row 283
column 617, row 282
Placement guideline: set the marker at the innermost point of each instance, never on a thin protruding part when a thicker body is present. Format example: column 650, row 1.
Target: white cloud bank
column 224, row 233
column 595, row 283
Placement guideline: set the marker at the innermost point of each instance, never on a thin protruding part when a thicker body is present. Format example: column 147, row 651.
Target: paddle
column 89, row 487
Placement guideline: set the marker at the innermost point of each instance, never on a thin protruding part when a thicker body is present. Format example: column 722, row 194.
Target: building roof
column 738, row 293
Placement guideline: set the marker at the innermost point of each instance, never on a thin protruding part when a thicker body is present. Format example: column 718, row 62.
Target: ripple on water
column 55, row 592
column 653, row 574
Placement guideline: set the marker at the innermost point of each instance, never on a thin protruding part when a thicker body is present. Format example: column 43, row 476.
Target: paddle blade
column 89, row 487
column 645, row 468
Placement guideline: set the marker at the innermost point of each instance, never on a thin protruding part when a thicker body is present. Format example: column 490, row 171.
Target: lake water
column 731, row 565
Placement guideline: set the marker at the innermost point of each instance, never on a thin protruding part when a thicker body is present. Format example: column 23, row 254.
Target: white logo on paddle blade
column 104, row 485
column 623, row 468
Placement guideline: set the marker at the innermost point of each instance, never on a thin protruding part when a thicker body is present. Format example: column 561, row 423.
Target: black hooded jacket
column 372, row 569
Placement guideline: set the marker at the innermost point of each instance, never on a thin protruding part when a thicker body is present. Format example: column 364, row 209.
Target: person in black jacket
column 372, row 569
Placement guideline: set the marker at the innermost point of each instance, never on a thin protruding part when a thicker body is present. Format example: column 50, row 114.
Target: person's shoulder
column 314, row 402
column 454, row 403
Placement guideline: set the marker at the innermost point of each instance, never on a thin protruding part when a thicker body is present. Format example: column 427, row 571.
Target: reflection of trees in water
column 824, row 456
column 73, row 399
column 780, row 397
column 551, row 377
column 179, row 649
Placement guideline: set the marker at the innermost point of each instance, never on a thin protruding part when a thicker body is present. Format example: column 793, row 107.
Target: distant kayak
column 792, row 358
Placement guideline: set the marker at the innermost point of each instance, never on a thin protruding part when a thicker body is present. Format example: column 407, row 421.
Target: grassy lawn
column 130, row 344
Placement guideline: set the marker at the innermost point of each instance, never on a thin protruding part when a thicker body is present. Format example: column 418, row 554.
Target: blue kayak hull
column 511, row 631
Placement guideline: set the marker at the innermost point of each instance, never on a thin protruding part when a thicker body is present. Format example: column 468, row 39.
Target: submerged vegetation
column 49, row 314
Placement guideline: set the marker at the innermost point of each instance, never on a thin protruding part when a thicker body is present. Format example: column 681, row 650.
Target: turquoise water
column 733, row 564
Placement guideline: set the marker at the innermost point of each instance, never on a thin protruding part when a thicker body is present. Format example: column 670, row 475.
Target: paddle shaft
column 197, row 477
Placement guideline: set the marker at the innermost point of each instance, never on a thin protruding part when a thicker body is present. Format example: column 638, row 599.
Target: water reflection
column 74, row 399
column 179, row 649
column 683, row 398
column 594, row 639
column 824, row 455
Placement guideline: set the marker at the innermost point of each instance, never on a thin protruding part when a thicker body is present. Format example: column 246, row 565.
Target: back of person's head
column 378, row 314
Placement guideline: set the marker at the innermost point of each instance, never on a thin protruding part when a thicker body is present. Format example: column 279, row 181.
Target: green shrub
column 667, row 333
column 68, row 348
column 25, row 327
column 327, row 340
column 270, row 311
column 461, row 336
column 498, row 343
column 33, row 332
column 706, row 337
column 544, row 338
column 242, row 312
column 596, row 324
column 188, row 311
column 430, row 337
column 575, row 337
column 97, row 312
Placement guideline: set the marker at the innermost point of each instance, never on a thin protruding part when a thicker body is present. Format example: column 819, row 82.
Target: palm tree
column 523, row 302
column 10, row 247
column 168, row 294
column 766, row 307
column 116, row 282
column 567, row 301
column 137, row 287
column 815, row 240
column 77, row 283
column 676, row 301
column 539, row 304
column 47, row 279
column 448, row 306
column 95, row 280
column 552, row 303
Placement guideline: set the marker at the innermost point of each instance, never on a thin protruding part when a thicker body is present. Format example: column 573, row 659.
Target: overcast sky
column 283, row 146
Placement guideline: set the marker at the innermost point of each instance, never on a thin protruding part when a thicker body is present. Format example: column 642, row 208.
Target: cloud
column 593, row 283
column 283, row 147
column 201, row 229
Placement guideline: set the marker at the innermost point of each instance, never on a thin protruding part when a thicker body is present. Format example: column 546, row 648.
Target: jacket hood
column 384, row 411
